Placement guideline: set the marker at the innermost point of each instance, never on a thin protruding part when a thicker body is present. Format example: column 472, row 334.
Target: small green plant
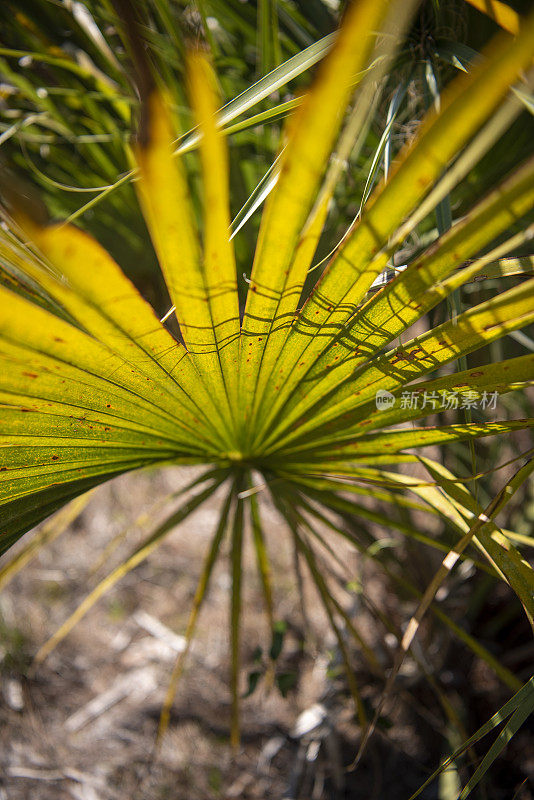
column 308, row 399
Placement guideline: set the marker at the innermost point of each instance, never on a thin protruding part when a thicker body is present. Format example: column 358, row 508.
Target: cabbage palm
column 282, row 400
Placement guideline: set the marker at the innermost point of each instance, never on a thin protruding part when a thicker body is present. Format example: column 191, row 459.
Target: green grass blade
column 235, row 617
column 523, row 698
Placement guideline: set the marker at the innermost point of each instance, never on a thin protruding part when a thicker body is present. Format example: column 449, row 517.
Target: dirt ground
column 82, row 725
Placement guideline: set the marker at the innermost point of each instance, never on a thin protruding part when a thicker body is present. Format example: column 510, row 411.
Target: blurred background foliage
column 68, row 106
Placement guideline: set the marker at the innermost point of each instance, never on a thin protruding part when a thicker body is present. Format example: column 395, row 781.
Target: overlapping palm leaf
column 92, row 385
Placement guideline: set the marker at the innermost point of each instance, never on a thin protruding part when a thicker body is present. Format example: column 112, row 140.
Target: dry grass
column 56, row 743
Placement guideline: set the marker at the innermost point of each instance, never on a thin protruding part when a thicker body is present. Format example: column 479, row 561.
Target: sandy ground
column 83, row 724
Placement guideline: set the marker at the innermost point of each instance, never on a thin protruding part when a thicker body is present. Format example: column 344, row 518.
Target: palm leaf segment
column 93, row 385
